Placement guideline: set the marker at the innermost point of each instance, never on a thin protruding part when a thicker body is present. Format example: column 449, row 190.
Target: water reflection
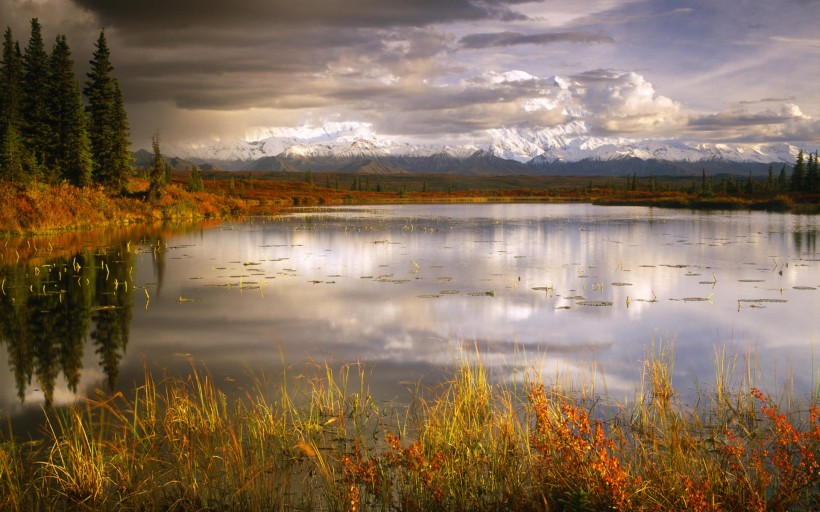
column 64, row 296
column 398, row 287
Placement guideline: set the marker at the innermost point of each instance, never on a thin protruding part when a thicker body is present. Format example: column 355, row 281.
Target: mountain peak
column 336, row 145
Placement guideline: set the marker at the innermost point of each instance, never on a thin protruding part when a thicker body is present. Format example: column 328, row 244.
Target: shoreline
column 39, row 209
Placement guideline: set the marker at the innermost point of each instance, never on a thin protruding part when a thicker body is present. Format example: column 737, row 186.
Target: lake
column 569, row 290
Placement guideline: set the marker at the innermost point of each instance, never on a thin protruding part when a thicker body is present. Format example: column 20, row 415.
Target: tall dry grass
column 475, row 443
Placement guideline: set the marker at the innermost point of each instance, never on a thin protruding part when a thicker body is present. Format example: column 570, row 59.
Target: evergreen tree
column 108, row 123
column 195, row 183
column 68, row 153
column 121, row 163
column 812, row 175
column 798, row 173
column 771, row 182
column 11, row 155
column 156, row 176
column 36, row 128
column 750, row 184
column 782, row 180
column 11, row 141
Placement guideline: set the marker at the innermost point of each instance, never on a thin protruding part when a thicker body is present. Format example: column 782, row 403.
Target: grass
column 472, row 444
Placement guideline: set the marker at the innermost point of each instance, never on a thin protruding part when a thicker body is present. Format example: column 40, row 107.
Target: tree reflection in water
column 47, row 311
column 78, row 291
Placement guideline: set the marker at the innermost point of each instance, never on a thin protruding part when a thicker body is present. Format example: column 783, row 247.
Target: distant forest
column 52, row 129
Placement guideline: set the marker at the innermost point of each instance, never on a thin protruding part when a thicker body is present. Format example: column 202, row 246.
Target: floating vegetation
column 394, row 281
column 758, row 301
column 804, row 287
column 103, row 308
column 562, row 307
column 429, row 296
column 187, row 299
column 708, row 299
column 751, row 281
column 449, row 292
column 621, row 284
column 675, row 266
column 576, row 297
column 482, row 294
column 595, row 303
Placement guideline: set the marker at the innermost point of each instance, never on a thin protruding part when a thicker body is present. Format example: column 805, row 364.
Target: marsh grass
column 318, row 441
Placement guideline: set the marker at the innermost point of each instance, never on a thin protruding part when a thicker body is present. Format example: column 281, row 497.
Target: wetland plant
column 475, row 442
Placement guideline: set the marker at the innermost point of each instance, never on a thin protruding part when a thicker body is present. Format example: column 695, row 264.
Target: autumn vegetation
column 473, row 443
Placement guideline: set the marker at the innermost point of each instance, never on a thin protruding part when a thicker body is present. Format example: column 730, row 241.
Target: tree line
column 51, row 128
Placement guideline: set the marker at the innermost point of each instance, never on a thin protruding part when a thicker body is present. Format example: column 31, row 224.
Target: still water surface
column 561, row 287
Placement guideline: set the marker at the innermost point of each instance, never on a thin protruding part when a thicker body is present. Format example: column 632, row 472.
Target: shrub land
column 472, row 445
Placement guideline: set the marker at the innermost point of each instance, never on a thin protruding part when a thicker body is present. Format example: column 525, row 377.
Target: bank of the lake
column 41, row 208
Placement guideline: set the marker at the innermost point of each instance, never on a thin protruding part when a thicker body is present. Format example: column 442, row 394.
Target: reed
column 318, row 441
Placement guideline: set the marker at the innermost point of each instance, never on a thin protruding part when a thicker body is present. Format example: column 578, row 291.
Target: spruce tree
column 195, row 183
column 122, row 159
column 156, row 176
column 798, row 173
column 108, row 123
column 771, row 182
column 812, row 184
column 782, row 180
column 69, row 150
column 36, row 127
column 11, row 141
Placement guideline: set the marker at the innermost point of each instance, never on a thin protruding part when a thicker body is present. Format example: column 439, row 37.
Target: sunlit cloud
column 419, row 68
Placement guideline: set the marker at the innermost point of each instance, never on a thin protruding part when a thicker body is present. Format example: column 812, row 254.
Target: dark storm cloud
column 502, row 39
column 161, row 14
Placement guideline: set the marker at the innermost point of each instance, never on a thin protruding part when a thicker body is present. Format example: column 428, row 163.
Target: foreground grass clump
column 473, row 445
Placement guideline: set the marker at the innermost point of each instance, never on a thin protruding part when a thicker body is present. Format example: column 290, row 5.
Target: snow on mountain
column 569, row 142
column 564, row 144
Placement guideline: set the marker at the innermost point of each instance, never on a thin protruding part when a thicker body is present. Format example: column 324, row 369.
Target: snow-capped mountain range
column 503, row 151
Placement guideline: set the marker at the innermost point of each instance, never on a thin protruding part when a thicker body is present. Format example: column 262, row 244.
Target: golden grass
column 474, row 444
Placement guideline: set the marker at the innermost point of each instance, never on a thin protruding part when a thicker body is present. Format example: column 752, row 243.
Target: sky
column 449, row 70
